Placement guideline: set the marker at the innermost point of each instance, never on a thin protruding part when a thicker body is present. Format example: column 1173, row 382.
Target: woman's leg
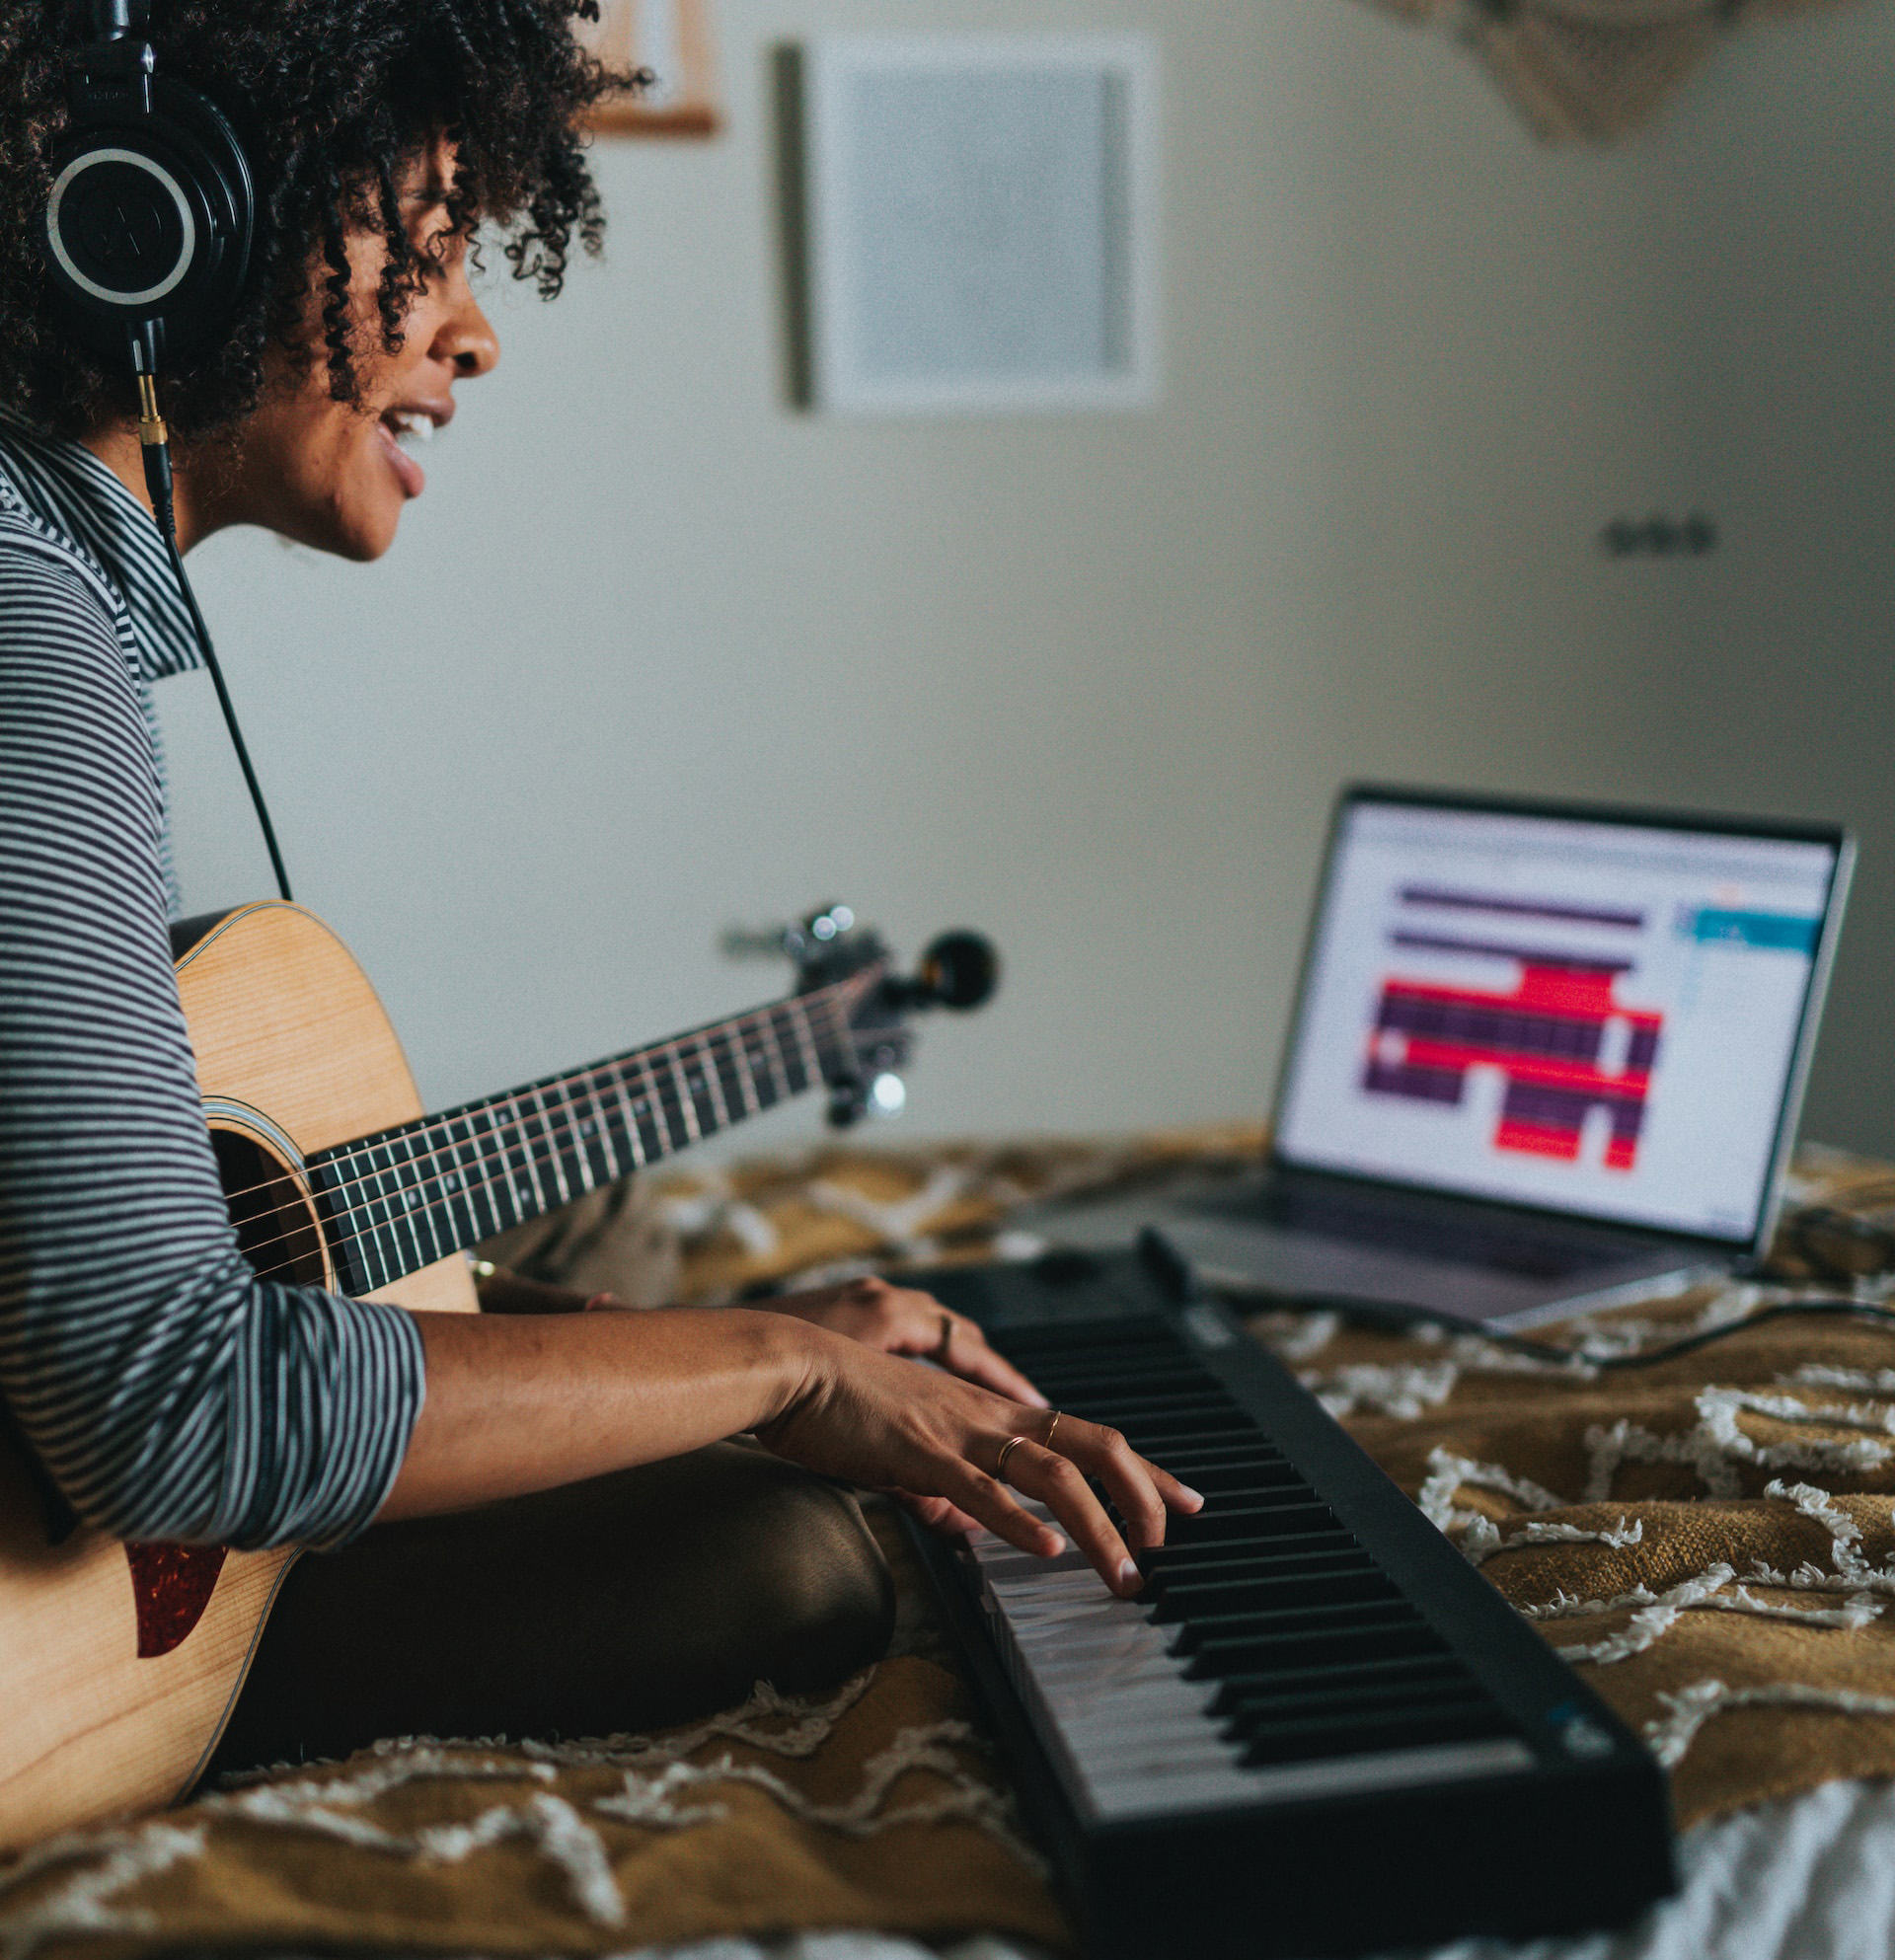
column 626, row 1603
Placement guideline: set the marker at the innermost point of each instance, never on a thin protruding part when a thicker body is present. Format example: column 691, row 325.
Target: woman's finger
column 1060, row 1484
column 937, row 1513
column 1143, row 1493
column 967, row 1354
column 984, row 1500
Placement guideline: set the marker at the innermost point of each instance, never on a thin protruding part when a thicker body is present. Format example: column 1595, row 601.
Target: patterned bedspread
column 1710, row 1540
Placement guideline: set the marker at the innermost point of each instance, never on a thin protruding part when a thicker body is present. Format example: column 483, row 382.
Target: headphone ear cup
column 150, row 219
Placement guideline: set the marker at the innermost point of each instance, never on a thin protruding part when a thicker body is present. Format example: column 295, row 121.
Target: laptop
column 1545, row 1058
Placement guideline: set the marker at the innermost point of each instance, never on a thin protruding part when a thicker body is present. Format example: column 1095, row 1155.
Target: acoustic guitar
column 120, row 1663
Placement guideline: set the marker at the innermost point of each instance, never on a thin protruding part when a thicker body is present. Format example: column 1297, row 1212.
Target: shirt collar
column 83, row 505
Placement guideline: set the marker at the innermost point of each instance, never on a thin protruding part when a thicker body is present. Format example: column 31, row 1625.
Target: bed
column 1710, row 1540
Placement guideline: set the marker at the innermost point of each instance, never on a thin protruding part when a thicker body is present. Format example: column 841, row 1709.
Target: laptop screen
column 1574, row 1013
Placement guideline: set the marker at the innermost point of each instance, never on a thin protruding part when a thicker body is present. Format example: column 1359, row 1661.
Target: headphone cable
column 154, row 444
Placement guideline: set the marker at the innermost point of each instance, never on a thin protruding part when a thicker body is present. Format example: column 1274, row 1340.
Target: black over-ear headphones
column 150, row 214
column 149, row 224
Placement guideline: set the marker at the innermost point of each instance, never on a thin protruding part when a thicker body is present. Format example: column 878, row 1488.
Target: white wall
column 655, row 652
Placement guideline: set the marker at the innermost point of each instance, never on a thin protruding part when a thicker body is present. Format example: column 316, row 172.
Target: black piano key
column 1216, row 1480
column 1203, row 1452
column 1417, row 1675
column 1216, row 1526
column 1246, row 1590
column 1470, row 1720
column 1159, row 1397
column 1164, row 1582
column 1302, row 1701
column 1393, row 1637
column 1176, row 1558
column 1265, row 1623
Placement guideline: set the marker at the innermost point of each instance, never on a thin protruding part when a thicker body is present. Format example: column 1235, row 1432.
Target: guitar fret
column 687, row 1107
column 767, row 1021
column 401, row 1231
column 741, row 1033
column 665, row 1146
column 388, row 1241
column 408, row 1229
column 478, row 1191
column 805, row 1040
column 553, row 1155
column 332, row 1183
column 380, row 1214
column 529, row 1160
column 495, row 1150
column 631, row 1119
column 576, row 1129
column 488, row 1175
column 720, row 1109
column 432, row 1197
column 603, row 1119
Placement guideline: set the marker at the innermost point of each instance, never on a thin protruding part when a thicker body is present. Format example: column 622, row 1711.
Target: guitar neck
column 400, row 1201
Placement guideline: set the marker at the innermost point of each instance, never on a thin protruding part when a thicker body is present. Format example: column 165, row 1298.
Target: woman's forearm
column 523, row 1404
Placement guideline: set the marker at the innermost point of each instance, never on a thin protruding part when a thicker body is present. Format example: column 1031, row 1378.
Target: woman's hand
column 897, row 1320
column 934, row 1443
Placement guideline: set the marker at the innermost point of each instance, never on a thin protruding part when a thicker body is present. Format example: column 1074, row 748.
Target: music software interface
column 1598, row 1018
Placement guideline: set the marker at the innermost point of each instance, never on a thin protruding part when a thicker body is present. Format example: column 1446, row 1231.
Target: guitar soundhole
column 276, row 1228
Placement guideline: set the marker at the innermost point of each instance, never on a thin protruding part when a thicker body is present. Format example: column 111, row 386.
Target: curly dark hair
column 334, row 101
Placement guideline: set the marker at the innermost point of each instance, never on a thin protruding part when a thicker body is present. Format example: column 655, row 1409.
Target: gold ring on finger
column 1007, row 1449
column 1051, row 1428
column 940, row 1355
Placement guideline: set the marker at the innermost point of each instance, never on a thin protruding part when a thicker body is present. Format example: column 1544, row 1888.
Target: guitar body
column 119, row 1665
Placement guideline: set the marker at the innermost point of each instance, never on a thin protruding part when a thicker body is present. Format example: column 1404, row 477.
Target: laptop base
column 1261, row 1234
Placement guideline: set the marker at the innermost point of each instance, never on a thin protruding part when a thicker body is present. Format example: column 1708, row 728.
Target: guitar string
column 552, row 1130
column 424, row 1216
column 516, row 1135
column 718, row 1035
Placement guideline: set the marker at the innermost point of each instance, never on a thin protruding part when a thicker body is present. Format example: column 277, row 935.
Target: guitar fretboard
column 399, row 1200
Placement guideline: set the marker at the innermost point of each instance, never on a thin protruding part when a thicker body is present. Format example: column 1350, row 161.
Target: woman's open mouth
column 399, row 430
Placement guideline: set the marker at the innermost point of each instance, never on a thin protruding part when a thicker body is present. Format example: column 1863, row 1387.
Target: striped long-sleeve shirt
column 170, row 1394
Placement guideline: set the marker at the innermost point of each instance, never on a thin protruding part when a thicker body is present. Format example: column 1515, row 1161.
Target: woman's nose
column 466, row 339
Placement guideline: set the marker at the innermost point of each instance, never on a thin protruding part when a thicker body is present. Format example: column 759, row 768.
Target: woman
column 534, row 1522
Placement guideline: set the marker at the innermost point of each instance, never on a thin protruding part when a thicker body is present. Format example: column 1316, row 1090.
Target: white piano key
column 1137, row 1739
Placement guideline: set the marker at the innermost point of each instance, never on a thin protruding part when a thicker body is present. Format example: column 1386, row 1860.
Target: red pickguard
column 171, row 1585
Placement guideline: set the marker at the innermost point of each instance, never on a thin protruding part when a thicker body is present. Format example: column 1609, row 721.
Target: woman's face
column 336, row 475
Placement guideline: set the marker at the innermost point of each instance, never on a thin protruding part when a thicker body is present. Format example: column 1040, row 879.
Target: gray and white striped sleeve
column 170, row 1394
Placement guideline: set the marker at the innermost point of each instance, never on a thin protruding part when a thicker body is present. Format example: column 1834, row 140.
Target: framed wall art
column 672, row 39
column 976, row 222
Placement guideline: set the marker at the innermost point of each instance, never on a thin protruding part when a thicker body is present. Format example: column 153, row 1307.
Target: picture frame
column 973, row 220
column 673, row 39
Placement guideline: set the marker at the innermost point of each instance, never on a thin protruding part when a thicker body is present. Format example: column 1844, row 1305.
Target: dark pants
column 634, row 1600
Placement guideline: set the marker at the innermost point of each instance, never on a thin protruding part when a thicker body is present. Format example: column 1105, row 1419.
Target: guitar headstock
column 831, row 948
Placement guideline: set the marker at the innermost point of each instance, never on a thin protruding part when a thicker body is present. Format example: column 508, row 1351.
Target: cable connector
column 154, row 439
column 151, row 425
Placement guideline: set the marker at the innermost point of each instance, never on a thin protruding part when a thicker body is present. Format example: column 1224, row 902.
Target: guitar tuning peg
column 958, row 970
column 795, row 941
column 754, row 941
column 829, row 923
column 848, row 1106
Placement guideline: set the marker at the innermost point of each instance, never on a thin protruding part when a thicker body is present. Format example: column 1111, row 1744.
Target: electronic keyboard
column 1318, row 1730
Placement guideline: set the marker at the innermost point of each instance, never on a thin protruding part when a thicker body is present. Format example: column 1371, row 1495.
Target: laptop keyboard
column 1537, row 1253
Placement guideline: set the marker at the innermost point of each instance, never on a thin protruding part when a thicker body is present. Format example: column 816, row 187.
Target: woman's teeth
column 405, row 427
